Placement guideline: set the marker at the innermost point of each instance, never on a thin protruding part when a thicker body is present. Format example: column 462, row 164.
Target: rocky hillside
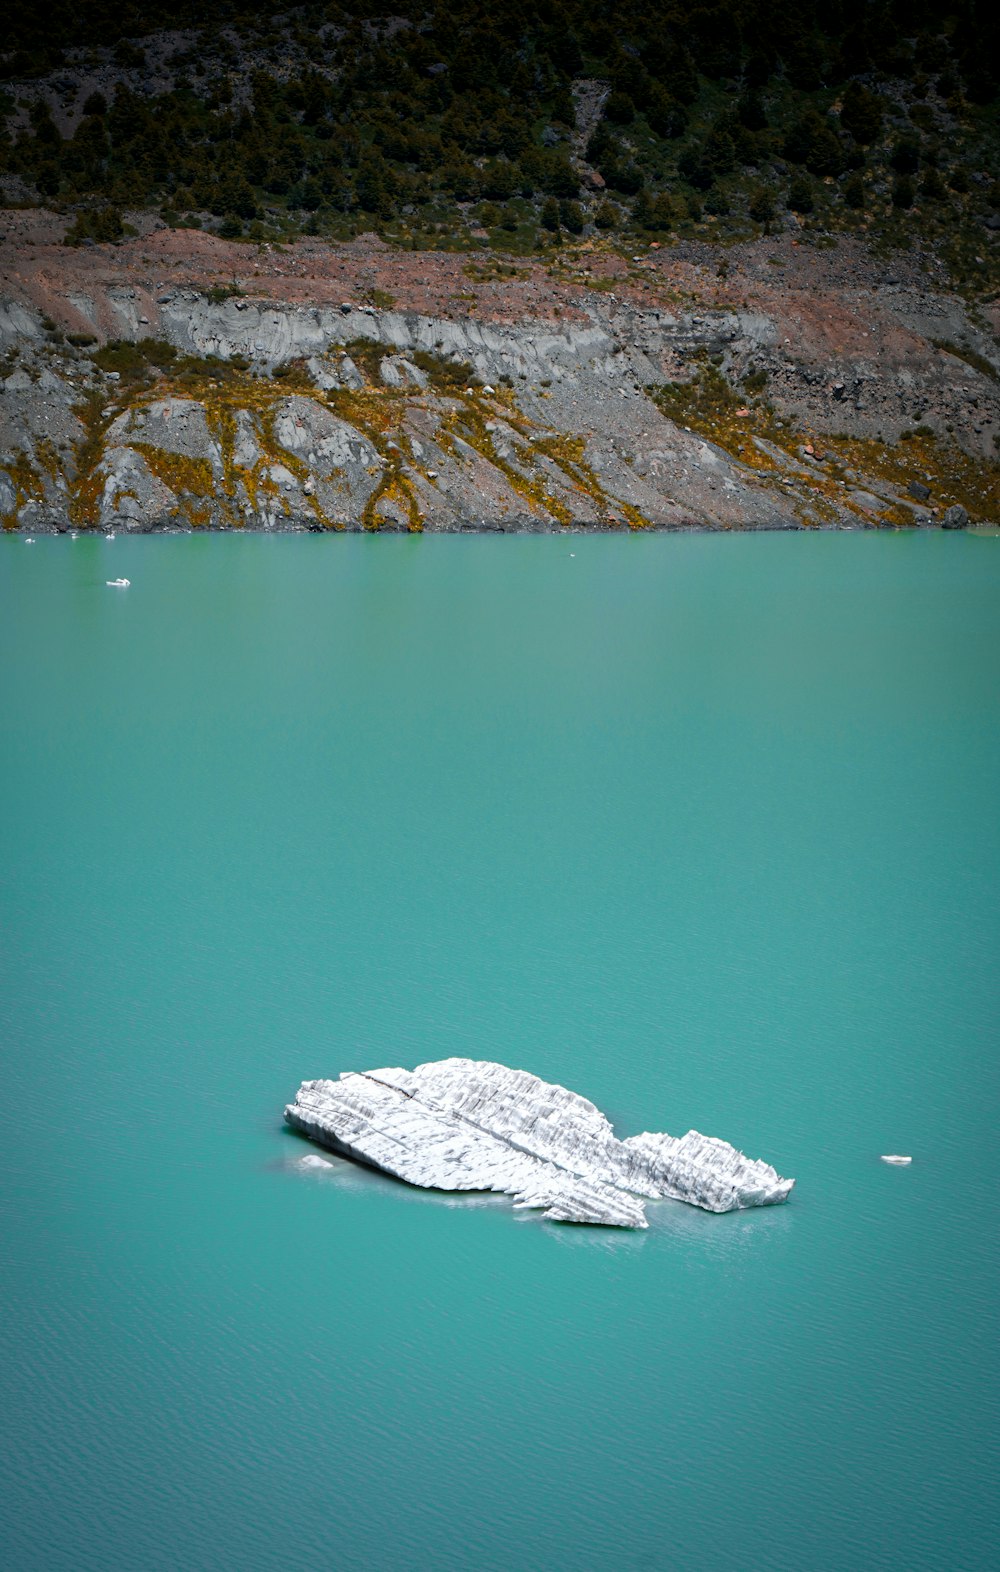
column 179, row 382
column 517, row 124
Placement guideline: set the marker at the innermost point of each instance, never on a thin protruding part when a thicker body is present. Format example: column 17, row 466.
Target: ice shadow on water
column 716, row 1233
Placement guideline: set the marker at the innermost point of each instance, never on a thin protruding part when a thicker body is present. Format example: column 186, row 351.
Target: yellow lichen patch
column 636, row 520
column 48, row 457
column 952, row 475
column 221, row 419
column 838, row 464
column 85, row 493
column 468, row 420
column 277, row 454
column 468, row 423
column 26, row 481
column 568, row 453
column 374, row 413
column 393, row 487
column 186, row 477
column 378, row 413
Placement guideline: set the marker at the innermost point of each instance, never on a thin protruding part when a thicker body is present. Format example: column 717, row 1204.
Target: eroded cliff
column 143, row 393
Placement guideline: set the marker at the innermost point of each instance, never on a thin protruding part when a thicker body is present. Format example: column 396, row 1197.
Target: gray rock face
column 557, row 430
column 955, row 517
column 468, row 1124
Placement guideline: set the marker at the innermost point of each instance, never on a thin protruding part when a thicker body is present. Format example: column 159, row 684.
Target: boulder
column 956, row 517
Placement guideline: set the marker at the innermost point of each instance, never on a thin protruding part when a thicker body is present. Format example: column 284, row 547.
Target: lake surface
column 706, row 829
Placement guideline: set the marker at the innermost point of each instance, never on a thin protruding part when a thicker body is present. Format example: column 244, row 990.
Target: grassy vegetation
column 446, row 376
column 149, row 358
column 705, row 396
column 971, row 357
column 437, row 125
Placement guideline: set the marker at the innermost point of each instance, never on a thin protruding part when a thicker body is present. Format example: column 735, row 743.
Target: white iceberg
column 469, row 1124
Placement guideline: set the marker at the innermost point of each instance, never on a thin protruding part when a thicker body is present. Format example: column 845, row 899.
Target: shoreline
column 572, row 531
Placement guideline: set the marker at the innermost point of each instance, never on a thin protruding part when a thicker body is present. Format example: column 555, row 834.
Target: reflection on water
column 350, row 1177
column 727, row 1233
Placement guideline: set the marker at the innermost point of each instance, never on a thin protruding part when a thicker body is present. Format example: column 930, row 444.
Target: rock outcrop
column 468, row 1124
column 674, row 400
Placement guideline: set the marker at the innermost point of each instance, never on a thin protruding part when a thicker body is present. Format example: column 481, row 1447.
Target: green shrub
column 101, row 225
column 550, row 215
column 761, row 205
column 812, row 141
column 705, row 396
column 861, row 114
column 905, row 155
column 157, row 351
column 665, row 115
column 854, row 191
column 619, row 109
column 654, row 213
column 448, row 376
column 800, row 196
column 217, row 293
column 122, row 357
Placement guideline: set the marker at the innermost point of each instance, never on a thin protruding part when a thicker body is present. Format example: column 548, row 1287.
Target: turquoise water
column 705, row 828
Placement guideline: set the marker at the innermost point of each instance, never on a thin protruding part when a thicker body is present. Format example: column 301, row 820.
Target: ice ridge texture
column 469, row 1124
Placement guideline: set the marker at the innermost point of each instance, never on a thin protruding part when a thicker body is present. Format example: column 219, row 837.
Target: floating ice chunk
column 468, row 1124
